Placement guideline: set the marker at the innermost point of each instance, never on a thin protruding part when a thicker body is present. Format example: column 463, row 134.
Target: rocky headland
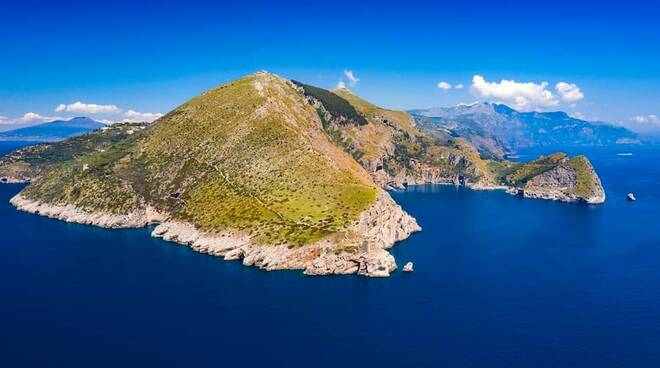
column 379, row 228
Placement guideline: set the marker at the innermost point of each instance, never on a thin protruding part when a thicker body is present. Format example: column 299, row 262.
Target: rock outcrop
column 573, row 180
column 379, row 228
column 70, row 213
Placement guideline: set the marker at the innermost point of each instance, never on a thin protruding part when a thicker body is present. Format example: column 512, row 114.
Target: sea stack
column 408, row 267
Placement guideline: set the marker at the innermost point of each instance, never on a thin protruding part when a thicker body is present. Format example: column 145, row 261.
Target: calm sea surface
column 498, row 282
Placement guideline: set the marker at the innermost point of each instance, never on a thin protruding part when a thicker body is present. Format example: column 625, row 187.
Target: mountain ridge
column 52, row 131
column 497, row 129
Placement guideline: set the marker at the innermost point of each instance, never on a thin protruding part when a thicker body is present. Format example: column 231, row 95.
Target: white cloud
column 569, row 92
column 116, row 115
column 85, row 108
column 646, row 119
column 134, row 116
column 578, row 115
column 341, row 84
column 29, row 118
column 352, row 79
column 459, row 86
column 444, row 85
column 468, row 104
column 33, row 117
column 522, row 96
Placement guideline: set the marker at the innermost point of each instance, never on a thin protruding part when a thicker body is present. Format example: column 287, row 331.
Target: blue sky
column 152, row 56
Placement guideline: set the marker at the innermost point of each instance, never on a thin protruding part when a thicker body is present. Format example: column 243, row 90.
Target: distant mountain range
column 497, row 129
column 52, row 131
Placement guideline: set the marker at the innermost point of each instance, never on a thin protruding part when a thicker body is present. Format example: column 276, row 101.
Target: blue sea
column 499, row 281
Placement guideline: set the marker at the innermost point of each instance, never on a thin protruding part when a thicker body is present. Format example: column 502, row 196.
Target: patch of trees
column 335, row 104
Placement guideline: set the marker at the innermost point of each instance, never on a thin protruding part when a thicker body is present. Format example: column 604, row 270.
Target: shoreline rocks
column 14, row 180
column 379, row 228
column 70, row 213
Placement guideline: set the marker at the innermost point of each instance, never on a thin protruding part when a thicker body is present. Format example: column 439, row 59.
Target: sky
column 135, row 60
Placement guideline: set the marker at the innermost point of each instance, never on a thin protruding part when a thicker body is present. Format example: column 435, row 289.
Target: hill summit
column 243, row 170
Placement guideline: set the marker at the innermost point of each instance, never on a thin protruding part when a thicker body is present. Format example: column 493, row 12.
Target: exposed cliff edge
column 379, row 228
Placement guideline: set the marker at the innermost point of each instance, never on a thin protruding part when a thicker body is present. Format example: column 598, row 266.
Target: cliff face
column 573, row 180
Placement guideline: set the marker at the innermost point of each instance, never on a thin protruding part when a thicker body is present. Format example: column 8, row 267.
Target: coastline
column 380, row 227
column 548, row 195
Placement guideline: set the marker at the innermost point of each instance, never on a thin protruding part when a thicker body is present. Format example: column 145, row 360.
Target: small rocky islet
column 277, row 173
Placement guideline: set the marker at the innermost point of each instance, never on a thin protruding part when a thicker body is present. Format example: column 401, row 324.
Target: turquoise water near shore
column 499, row 281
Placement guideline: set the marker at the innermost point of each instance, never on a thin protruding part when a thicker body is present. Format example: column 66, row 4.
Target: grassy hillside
column 335, row 104
column 517, row 174
column 248, row 156
column 586, row 186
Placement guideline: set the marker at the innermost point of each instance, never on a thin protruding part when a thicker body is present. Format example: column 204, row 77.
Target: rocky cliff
column 572, row 180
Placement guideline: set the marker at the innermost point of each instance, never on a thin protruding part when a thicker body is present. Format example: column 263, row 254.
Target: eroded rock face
column 379, row 227
column 565, row 183
column 70, row 213
column 385, row 223
column 14, row 180
column 560, row 177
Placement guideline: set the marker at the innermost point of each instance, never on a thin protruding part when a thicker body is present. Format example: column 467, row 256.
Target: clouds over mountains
column 524, row 96
column 90, row 109
column 108, row 114
column 113, row 112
